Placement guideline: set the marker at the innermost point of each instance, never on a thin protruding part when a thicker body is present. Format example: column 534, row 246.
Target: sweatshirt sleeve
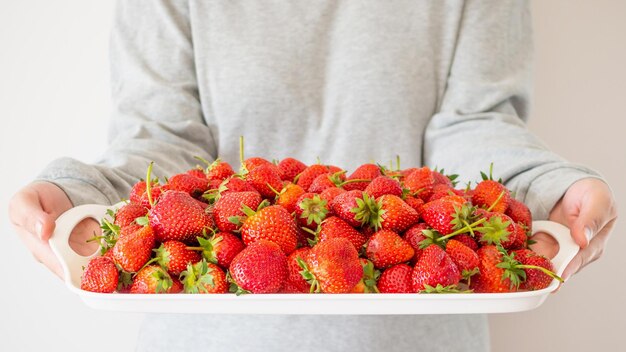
column 481, row 118
column 157, row 113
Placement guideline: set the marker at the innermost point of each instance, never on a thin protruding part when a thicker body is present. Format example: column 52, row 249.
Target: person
column 441, row 83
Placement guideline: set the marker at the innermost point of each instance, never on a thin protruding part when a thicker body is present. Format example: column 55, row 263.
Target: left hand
column 588, row 209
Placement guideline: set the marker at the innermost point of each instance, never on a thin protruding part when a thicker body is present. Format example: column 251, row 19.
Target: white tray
column 462, row 303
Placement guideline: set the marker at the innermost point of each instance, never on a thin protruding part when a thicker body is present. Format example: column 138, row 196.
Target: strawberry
column 139, row 195
column 415, row 202
column 197, row 172
column 464, row 257
column 447, row 216
column 394, row 214
column 272, row 223
column 414, row 236
column 442, row 179
column 235, row 184
column 365, row 172
column 519, row 213
column 127, row 214
column 220, row 248
column 266, row 180
column 177, row 216
column 259, row 268
column 468, row 241
column 533, row 263
column 382, row 185
column 491, row 195
column 132, row 251
column 492, row 277
column 332, row 266
column 295, row 283
column 498, row 229
column 434, row 268
column 288, row 197
column 327, row 180
column 440, row 191
column 254, row 162
column 100, row 275
column 152, row 279
column 191, row 185
column 397, row 279
column 519, row 237
column 407, row 172
column 420, row 182
column 386, row 248
column 290, row 168
column 308, row 175
column 370, row 277
column 334, row 227
column 311, row 210
column 173, row 256
column 344, row 204
column 230, row 206
column 330, row 193
column 219, row 170
column 203, row 277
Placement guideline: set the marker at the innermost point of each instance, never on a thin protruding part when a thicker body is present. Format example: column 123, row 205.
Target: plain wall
column 54, row 101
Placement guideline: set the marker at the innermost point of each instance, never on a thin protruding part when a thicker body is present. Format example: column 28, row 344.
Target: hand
column 33, row 211
column 589, row 210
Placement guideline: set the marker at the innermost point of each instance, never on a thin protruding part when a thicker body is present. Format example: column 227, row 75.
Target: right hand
column 33, row 211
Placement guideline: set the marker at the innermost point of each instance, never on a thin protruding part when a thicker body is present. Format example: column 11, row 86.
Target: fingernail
column 38, row 227
column 588, row 234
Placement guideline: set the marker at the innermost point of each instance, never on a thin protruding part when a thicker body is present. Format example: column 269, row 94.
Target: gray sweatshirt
column 440, row 83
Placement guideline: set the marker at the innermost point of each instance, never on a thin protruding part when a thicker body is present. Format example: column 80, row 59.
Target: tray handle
column 567, row 247
column 72, row 262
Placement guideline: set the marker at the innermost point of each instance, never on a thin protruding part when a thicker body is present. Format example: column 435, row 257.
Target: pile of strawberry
column 291, row 228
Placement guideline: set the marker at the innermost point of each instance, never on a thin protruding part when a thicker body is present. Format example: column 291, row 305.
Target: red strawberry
column 203, row 277
column 254, row 162
column 446, row 216
column 177, row 216
column 259, row 268
column 230, row 206
column 407, row 172
column 382, row 185
column 311, row 210
column 220, row 248
column 272, row 223
column 498, row 229
column 520, row 213
column 413, row 236
column 519, row 237
column 492, row 195
column 132, row 251
column 370, row 277
column 288, row 197
column 364, row 172
column 440, row 191
column 127, row 214
column 198, row 172
column 219, row 170
column 235, row 184
column 344, row 204
column 139, row 195
column 397, row 279
column 153, row 279
column 536, row 279
column 492, row 277
column 420, row 182
column 290, row 168
column 333, row 266
column 174, row 256
column 306, row 177
column 415, row 202
column 295, row 283
column 464, row 257
column 441, row 179
column 395, row 214
column 334, row 227
column 327, row 180
column 434, row 268
column 386, row 248
column 100, row 275
column 468, row 241
column 330, row 193
column 191, row 185
column 266, row 180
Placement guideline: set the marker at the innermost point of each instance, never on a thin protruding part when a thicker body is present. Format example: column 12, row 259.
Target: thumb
column 588, row 223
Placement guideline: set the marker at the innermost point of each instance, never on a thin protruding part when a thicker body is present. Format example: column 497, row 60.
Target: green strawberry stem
column 241, row 157
column 149, row 184
column 273, row 189
column 463, row 229
column 352, row 181
column 544, row 270
column 397, row 162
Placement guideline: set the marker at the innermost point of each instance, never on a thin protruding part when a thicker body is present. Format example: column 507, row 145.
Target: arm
column 481, row 120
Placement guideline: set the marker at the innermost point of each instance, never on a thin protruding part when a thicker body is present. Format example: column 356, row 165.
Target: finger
column 545, row 245
column 589, row 254
column 41, row 251
column 26, row 212
column 592, row 218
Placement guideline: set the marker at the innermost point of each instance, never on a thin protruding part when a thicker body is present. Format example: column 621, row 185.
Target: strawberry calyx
column 207, row 247
column 443, row 289
column 314, row 209
column 197, row 277
column 494, row 231
column 313, row 241
column 248, row 212
column 234, row 287
column 432, row 237
column 490, row 177
column 370, row 277
column 110, row 233
column 309, row 276
column 464, row 220
column 369, row 211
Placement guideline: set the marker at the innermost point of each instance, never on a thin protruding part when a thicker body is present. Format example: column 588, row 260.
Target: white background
column 54, row 101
